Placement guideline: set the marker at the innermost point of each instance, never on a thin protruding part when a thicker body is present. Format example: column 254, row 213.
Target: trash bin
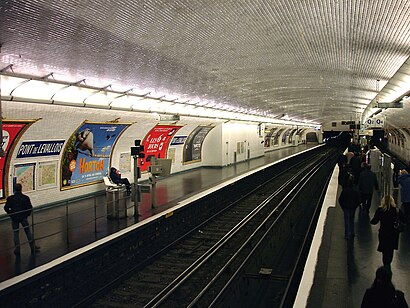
column 116, row 199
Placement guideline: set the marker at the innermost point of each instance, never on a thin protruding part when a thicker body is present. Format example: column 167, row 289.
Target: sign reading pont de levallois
column 40, row 148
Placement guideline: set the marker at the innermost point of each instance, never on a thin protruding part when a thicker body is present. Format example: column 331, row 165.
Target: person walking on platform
column 341, row 160
column 19, row 207
column 382, row 293
column 343, row 175
column 367, row 183
column 355, row 167
column 396, row 171
column 349, row 200
column 387, row 215
column 404, row 182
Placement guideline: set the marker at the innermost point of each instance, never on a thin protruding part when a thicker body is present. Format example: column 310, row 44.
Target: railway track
column 228, row 249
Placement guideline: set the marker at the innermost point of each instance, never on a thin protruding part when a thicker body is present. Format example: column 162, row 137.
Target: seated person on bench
column 115, row 176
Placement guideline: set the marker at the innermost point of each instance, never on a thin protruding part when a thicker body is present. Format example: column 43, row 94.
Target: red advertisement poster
column 10, row 132
column 156, row 143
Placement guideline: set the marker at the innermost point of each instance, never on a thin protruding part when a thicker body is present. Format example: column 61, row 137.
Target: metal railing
column 73, row 216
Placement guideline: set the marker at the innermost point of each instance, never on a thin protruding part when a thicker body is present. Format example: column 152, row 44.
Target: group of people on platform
column 358, row 183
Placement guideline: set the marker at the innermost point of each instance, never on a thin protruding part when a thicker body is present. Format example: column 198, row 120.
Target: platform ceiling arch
column 314, row 61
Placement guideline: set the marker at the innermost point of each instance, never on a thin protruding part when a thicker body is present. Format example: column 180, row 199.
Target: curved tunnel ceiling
column 315, row 61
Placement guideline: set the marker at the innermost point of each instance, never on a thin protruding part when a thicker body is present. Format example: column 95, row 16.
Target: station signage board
column 390, row 105
column 374, row 123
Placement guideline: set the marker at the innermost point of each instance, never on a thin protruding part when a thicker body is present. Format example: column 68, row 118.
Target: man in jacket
column 349, row 200
column 19, row 207
column 404, row 182
column 115, row 176
column 367, row 183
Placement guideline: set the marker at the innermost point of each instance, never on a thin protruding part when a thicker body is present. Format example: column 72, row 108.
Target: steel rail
column 150, row 259
column 292, row 193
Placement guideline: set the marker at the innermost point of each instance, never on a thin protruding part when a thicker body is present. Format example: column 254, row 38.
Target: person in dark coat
column 396, row 170
column 343, row 175
column 341, row 160
column 355, row 167
column 19, row 207
column 386, row 214
column 349, row 200
column 382, row 293
column 367, row 184
column 115, row 176
column 404, row 181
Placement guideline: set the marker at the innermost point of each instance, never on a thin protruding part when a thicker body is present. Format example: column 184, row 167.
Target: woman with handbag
column 388, row 216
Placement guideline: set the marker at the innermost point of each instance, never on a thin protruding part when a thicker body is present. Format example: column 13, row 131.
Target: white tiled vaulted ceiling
column 315, row 61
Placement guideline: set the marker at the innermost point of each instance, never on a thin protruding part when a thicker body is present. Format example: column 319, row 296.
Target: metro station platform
column 62, row 229
column 338, row 271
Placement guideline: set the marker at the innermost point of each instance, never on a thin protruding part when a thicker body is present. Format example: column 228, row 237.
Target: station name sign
column 40, row 148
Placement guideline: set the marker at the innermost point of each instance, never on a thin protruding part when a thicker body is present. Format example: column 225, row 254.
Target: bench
column 110, row 184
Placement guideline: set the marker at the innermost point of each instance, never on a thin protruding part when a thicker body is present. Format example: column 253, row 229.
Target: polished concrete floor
column 58, row 233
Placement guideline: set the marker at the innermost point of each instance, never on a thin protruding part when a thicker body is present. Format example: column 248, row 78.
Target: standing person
column 355, row 167
column 396, row 171
column 367, row 183
column 386, row 214
column 19, row 207
column 349, row 200
column 343, row 175
column 404, row 181
column 115, row 176
column 341, row 160
column 382, row 292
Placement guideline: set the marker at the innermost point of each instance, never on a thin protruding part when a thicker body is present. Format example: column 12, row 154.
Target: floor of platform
column 50, row 226
column 345, row 269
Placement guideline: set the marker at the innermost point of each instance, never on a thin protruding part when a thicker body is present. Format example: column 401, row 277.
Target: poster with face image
column 11, row 132
column 86, row 156
column 156, row 143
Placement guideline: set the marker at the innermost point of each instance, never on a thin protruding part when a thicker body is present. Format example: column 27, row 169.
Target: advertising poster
column 25, row 175
column 86, row 156
column 156, row 143
column 11, row 130
column 193, row 145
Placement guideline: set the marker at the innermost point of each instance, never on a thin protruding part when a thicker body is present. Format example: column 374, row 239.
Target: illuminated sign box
column 390, row 105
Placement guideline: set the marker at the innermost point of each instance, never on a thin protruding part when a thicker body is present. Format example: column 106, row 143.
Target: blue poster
column 87, row 153
column 178, row 140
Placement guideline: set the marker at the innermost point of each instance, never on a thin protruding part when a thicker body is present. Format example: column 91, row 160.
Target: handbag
column 399, row 300
column 398, row 224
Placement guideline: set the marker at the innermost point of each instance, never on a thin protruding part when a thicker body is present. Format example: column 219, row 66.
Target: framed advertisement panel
column 47, row 174
column 12, row 131
column 193, row 144
column 25, row 175
column 87, row 153
column 125, row 162
column 156, row 143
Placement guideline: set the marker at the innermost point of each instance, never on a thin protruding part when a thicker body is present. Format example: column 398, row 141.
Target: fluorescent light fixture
column 62, row 92
column 102, row 98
